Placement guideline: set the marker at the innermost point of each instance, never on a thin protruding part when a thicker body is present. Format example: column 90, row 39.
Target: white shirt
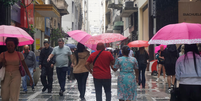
column 131, row 53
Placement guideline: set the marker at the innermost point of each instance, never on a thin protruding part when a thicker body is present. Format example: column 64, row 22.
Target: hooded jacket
column 171, row 54
column 80, row 66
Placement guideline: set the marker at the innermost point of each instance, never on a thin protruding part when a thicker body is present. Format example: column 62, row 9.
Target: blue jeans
column 81, row 80
column 142, row 67
column 24, row 79
column 61, row 75
column 99, row 83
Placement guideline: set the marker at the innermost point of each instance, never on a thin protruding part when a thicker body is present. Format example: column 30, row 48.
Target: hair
column 60, row 40
column 15, row 40
column 142, row 50
column 46, row 42
column 193, row 48
column 125, row 50
column 80, row 48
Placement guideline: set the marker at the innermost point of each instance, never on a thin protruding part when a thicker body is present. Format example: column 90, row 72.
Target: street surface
column 153, row 91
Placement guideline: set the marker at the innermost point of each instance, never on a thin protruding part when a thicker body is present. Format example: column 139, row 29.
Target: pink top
column 12, row 60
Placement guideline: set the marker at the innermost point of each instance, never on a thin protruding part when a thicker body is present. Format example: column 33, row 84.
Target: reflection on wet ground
column 154, row 91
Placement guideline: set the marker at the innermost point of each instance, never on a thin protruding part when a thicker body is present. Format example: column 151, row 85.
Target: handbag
column 174, row 93
column 2, row 70
column 21, row 69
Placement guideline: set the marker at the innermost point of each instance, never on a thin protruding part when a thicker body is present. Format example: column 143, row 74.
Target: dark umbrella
column 71, row 46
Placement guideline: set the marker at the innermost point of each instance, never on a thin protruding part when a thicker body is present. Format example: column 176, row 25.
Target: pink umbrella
column 81, row 37
column 157, row 48
column 138, row 43
column 105, row 38
column 12, row 31
column 181, row 33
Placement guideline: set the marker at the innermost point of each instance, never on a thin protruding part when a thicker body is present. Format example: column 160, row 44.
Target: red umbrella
column 138, row 43
column 105, row 38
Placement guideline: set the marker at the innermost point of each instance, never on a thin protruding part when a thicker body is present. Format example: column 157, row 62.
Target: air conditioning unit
column 129, row 4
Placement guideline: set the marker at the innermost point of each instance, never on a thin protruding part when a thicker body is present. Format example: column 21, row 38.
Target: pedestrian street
column 153, row 91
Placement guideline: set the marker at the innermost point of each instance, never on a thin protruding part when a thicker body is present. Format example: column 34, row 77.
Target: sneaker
column 169, row 89
column 49, row 91
column 172, row 85
column 44, row 89
column 33, row 90
column 157, row 79
column 163, row 80
column 61, row 93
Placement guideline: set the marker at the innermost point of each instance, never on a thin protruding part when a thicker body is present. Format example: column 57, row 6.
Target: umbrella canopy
column 157, row 48
column 16, row 32
column 71, row 46
column 105, row 38
column 81, row 37
column 138, row 43
column 181, row 33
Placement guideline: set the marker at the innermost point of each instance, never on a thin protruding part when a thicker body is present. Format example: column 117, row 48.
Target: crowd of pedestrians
column 184, row 66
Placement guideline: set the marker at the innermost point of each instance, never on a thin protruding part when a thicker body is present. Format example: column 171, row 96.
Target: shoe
column 169, row 89
column 157, row 79
column 68, row 77
column 44, row 89
column 83, row 99
column 172, row 85
column 25, row 92
column 61, row 93
column 163, row 80
column 49, row 91
column 33, row 89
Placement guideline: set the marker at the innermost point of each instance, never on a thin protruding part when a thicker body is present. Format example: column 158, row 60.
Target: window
column 54, row 22
column 72, row 7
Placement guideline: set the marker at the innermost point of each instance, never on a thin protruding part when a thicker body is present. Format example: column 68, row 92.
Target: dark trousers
column 61, row 75
column 190, row 92
column 81, row 80
column 106, row 83
column 47, row 72
column 142, row 68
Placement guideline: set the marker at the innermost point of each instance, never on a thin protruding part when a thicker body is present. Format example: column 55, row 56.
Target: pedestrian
column 188, row 72
column 101, row 60
column 142, row 58
column 131, row 53
column 30, row 60
column 10, row 86
column 46, row 67
column 170, row 54
column 79, row 59
column 161, row 63
column 61, row 54
column 127, row 87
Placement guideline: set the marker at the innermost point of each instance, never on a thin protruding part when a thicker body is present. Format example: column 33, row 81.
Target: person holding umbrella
column 161, row 58
column 10, row 86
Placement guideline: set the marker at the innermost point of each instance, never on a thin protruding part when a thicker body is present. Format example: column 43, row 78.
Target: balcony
column 128, row 9
column 62, row 7
column 112, row 4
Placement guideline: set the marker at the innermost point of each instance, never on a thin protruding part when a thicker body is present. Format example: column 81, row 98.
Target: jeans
column 142, row 67
column 61, row 75
column 81, row 80
column 24, row 79
column 106, row 83
column 47, row 73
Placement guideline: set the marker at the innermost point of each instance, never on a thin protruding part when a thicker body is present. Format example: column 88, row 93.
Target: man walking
column 101, row 60
column 30, row 60
column 61, row 54
column 46, row 67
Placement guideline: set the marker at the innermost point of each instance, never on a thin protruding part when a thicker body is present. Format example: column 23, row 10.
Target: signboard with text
column 190, row 12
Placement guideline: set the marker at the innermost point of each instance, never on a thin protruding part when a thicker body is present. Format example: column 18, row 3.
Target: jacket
column 142, row 58
column 80, row 66
column 44, row 54
column 30, row 59
column 186, row 68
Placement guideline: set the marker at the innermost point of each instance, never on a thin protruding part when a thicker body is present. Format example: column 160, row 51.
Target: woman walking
column 142, row 58
column 127, row 87
column 188, row 72
column 79, row 59
column 170, row 54
column 10, row 86
column 161, row 63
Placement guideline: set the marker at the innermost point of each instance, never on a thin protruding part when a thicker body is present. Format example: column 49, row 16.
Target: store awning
column 47, row 10
column 127, row 11
column 118, row 23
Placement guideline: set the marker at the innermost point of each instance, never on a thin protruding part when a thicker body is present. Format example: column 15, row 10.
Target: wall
column 145, row 28
column 68, row 19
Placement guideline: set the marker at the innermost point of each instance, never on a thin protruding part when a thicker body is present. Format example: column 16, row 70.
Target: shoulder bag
column 2, row 70
column 174, row 92
column 21, row 69
column 97, row 57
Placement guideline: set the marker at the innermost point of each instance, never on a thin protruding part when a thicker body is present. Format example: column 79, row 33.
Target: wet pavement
column 154, row 91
